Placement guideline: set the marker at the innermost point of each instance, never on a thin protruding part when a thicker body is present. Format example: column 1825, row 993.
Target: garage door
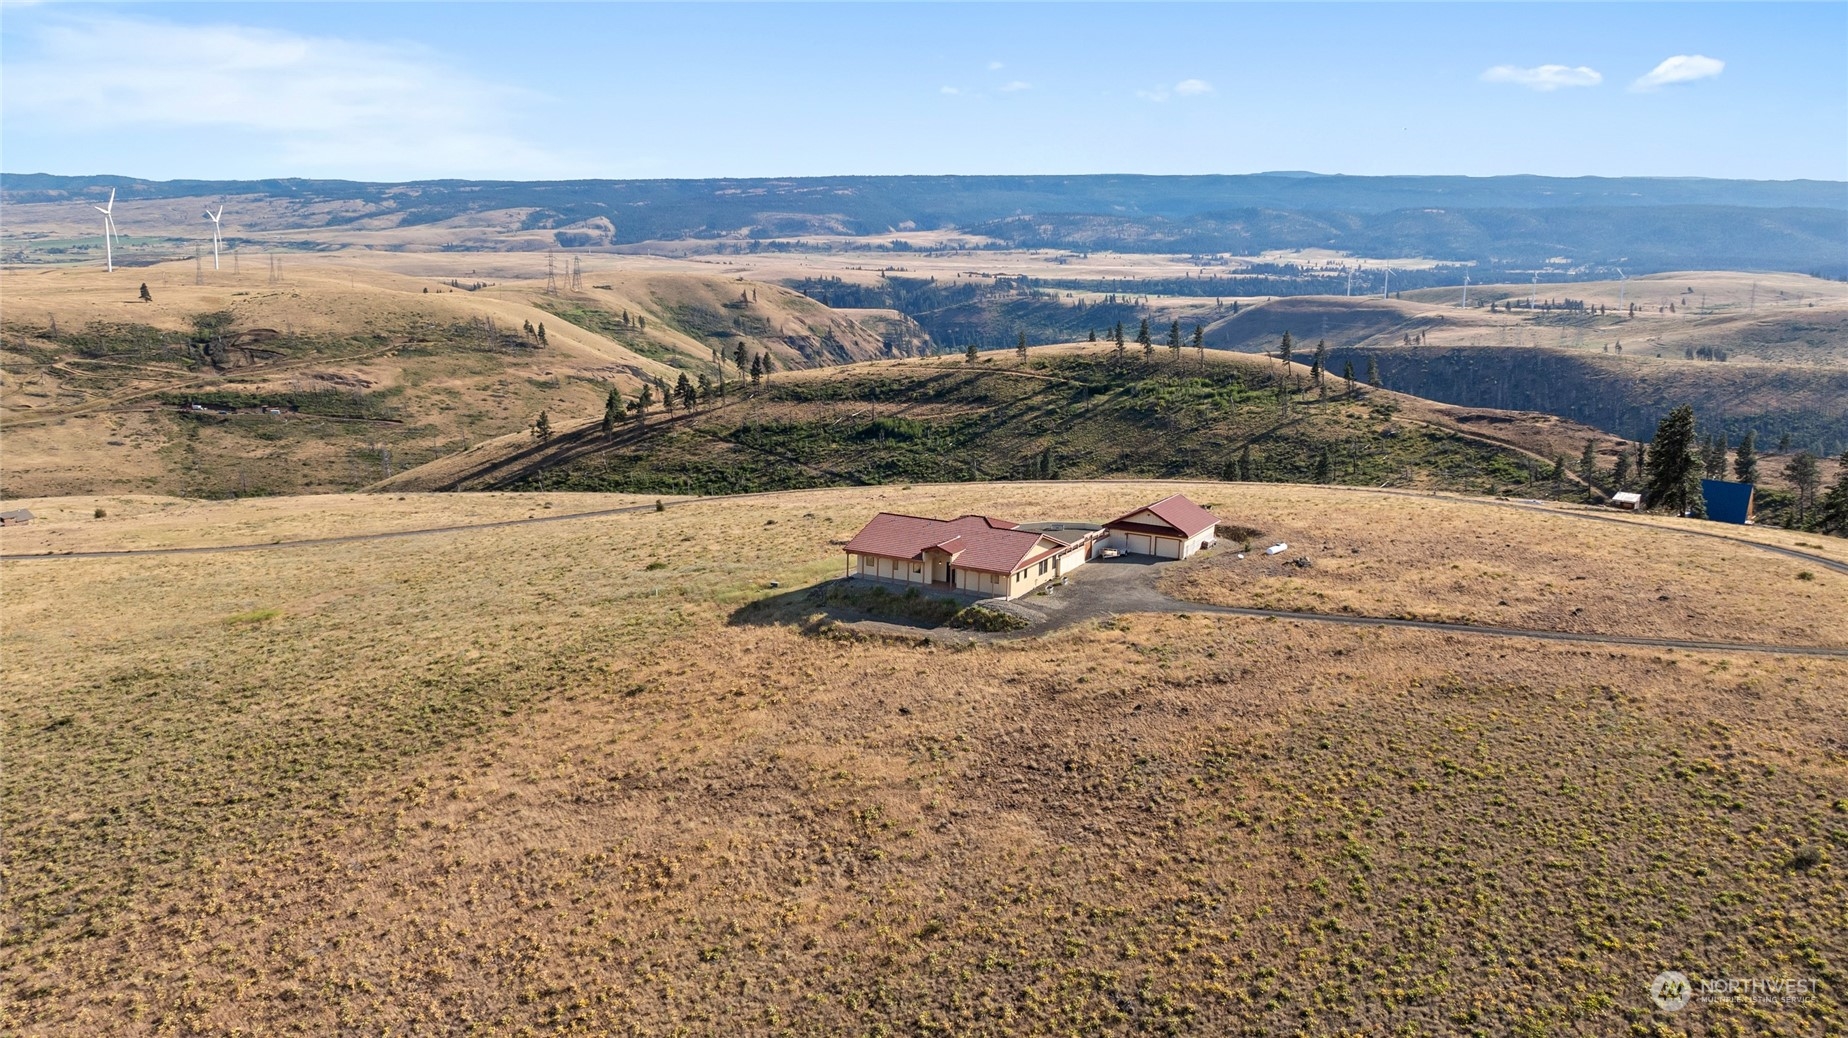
column 1139, row 544
column 1167, row 547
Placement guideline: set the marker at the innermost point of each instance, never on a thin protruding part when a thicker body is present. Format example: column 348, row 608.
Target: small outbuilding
column 1172, row 528
column 1728, row 502
column 1627, row 499
column 16, row 517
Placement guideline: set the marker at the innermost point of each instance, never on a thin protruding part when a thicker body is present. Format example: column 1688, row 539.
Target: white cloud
column 1682, row 68
column 1544, row 78
column 1015, row 87
column 1185, row 88
column 309, row 105
column 948, row 90
column 995, row 66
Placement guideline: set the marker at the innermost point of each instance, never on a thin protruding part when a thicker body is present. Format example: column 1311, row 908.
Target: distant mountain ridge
column 1654, row 223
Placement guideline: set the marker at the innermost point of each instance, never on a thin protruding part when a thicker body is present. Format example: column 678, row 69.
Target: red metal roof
column 1175, row 510
column 972, row 541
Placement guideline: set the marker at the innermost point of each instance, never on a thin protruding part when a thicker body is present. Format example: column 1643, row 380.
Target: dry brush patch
column 521, row 780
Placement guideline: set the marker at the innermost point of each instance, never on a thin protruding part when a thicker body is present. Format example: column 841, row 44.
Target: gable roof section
column 1176, row 511
column 974, row 542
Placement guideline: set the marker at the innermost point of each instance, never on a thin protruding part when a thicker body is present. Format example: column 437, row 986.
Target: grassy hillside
column 1062, row 413
column 372, row 371
column 594, row 777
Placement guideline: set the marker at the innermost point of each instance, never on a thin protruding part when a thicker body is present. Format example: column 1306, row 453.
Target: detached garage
column 1172, row 528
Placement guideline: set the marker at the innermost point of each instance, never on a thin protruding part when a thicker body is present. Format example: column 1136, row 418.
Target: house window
column 1043, row 566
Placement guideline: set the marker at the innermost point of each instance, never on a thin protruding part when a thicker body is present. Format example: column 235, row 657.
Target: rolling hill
column 1064, row 412
column 366, row 370
column 624, row 772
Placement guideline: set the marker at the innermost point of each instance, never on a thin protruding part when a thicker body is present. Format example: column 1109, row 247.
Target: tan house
column 974, row 554
column 1172, row 528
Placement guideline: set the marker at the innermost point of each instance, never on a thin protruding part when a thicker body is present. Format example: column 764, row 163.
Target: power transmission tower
column 551, row 274
column 198, row 268
column 577, row 273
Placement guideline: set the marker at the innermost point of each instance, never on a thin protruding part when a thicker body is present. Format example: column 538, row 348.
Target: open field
column 1438, row 559
column 551, row 778
column 139, row 523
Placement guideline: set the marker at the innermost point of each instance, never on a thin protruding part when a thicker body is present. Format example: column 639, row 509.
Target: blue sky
column 544, row 91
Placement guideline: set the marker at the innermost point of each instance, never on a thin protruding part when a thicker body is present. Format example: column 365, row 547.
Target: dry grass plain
column 1442, row 558
column 546, row 780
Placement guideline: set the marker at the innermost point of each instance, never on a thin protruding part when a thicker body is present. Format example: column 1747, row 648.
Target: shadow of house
column 846, row 600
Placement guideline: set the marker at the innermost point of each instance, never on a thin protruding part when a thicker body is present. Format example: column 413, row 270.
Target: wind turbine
column 209, row 215
column 1386, row 290
column 109, row 231
column 1465, row 302
column 1621, row 280
column 1533, row 293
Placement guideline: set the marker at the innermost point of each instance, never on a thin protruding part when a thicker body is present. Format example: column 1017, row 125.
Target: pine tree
column 1093, row 335
column 1020, row 345
column 1174, row 340
column 1745, row 459
column 1347, row 374
column 704, row 387
column 1713, row 457
column 1672, row 479
column 769, row 364
column 1146, row 341
column 1321, row 467
column 542, row 428
column 1620, row 476
column 642, row 402
column 688, row 395
column 757, row 370
column 1805, row 477
column 1285, row 349
column 969, row 354
column 1834, row 514
column 1119, row 342
column 738, row 358
column 1588, row 462
column 1245, row 469
column 1373, row 372
column 612, row 410
column 1199, row 343
column 1558, row 475
column 1318, row 362
column 542, row 333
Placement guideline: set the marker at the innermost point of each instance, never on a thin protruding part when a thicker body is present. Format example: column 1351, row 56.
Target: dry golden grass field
column 593, row 777
column 414, row 367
